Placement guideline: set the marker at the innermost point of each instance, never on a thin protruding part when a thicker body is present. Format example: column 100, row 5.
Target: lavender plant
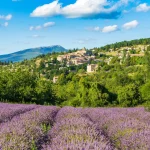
column 73, row 131
column 23, row 131
column 128, row 128
column 8, row 111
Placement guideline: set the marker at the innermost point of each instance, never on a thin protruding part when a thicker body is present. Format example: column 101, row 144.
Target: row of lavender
column 26, row 130
column 75, row 131
column 127, row 128
column 8, row 111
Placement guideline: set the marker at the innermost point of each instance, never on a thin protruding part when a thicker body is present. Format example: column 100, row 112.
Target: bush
column 147, row 106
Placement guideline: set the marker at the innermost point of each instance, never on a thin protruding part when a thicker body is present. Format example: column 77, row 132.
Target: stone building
column 92, row 68
column 55, row 79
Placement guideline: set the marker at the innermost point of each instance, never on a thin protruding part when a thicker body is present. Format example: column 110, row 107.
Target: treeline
column 145, row 41
column 5, row 63
column 25, row 87
column 124, row 85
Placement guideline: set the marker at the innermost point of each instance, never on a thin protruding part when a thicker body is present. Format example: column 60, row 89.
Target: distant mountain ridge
column 31, row 53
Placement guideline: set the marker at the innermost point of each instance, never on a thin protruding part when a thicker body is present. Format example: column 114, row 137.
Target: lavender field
column 32, row 127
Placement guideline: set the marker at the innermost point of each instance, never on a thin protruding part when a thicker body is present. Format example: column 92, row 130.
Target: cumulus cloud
column 48, row 24
column 106, row 29
column 39, row 27
column 47, row 10
column 5, row 24
column 7, row 17
column 143, row 8
column 92, row 9
column 131, row 25
column 109, row 29
column 97, row 29
column 31, row 28
column 35, row 28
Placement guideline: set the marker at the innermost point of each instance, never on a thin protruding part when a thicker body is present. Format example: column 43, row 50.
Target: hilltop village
column 87, row 61
column 79, row 57
column 83, row 56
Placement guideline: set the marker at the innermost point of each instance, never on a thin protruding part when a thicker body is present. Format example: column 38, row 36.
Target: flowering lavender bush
column 74, row 131
column 8, row 111
column 127, row 128
column 24, row 131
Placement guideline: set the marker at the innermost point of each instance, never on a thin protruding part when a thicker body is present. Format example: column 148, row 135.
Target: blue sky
column 71, row 23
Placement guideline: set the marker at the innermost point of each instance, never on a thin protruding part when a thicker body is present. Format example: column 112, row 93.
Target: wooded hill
column 124, row 84
column 117, row 45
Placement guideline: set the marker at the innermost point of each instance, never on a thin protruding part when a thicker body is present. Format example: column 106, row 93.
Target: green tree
column 145, row 92
column 129, row 95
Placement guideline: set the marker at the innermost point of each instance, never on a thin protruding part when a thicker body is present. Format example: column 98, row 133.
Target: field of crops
column 32, row 127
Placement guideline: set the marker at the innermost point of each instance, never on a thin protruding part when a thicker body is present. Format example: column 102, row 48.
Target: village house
column 81, row 52
column 69, row 63
column 92, row 68
column 46, row 65
column 60, row 58
column 55, row 79
column 79, row 60
column 61, row 68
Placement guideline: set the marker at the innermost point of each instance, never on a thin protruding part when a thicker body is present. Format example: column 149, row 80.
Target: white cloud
column 81, row 9
column 8, row 17
column 131, row 25
column 35, row 36
column 143, row 7
column 6, row 24
column 47, row 10
column 93, row 28
column 97, row 29
column 106, row 29
column 39, row 27
column 31, row 28
column 109, row 29
column 48, row 24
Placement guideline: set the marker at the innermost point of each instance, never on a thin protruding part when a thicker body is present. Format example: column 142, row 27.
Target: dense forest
column 117, row 45
column 116, row 84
